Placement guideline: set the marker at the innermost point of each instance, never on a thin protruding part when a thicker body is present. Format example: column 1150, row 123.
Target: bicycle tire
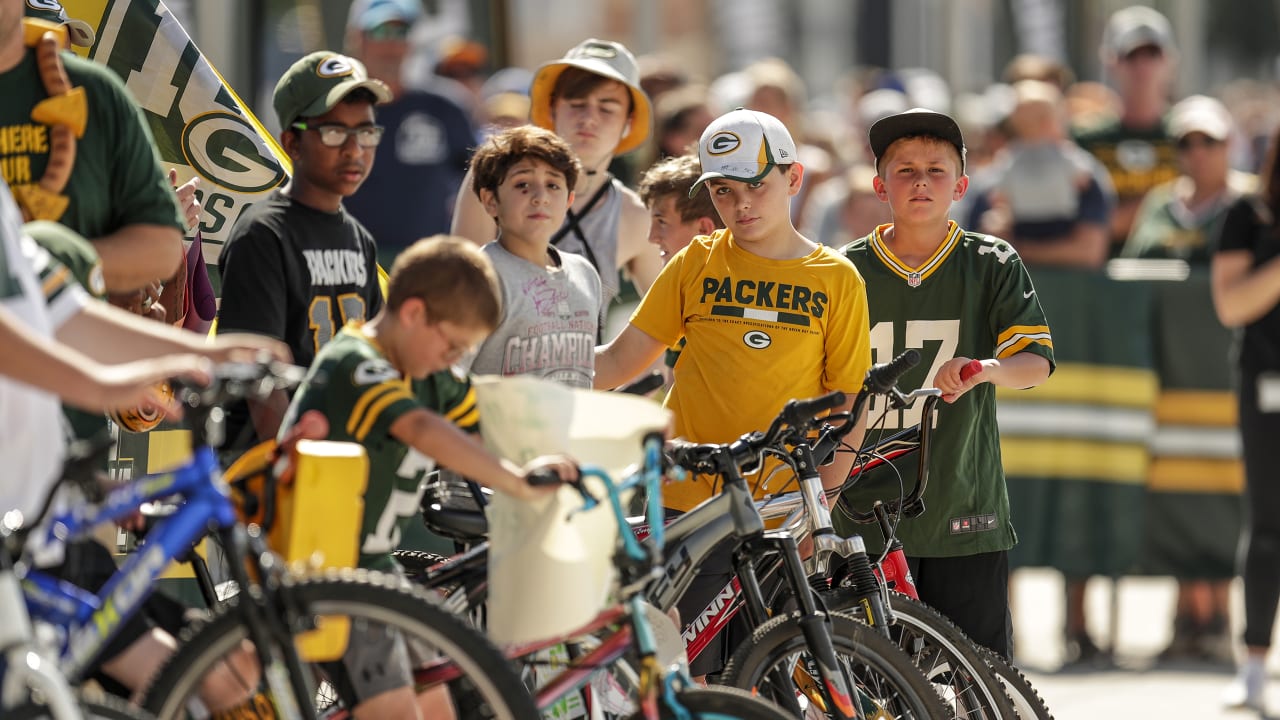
column 883, row 674
column 942, row 651
column 362, row 597
column 718, row 702
column 1027, row 703
column 104, row 707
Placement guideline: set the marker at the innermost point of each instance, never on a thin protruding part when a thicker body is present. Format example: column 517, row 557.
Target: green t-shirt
column 116, row 179
column 362, row 395
column 1166, row 228
column 1137, row 159
column 973, row 299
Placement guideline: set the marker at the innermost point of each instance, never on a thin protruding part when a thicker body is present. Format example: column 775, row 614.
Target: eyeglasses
column 388, row 31
column 1193, row 140
column 367, row 136
column 457, row 348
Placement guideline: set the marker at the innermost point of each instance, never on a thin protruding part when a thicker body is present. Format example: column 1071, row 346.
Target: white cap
column 1202, row 114
column 743, row 145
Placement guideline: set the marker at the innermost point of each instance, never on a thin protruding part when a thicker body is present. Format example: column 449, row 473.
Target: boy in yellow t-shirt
column 767, row 314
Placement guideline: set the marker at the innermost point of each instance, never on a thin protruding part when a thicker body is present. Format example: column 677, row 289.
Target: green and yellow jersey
column 354, row 385
column 973, row 298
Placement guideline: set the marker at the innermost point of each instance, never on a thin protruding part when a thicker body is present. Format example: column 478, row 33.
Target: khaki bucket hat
column 602, row 57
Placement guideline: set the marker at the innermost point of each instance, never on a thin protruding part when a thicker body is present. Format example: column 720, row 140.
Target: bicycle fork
column 836, row 685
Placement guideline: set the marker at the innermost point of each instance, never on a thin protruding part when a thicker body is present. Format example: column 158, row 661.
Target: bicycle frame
column 90, row 619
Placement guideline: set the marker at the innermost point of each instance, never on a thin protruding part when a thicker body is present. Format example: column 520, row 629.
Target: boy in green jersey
column 442, row 300
column 955, row 296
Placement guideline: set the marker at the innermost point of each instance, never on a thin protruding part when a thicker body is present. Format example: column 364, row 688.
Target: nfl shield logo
column 913, row 279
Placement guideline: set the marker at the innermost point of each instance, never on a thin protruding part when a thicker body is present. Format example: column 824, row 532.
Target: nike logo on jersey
column 1027, row 295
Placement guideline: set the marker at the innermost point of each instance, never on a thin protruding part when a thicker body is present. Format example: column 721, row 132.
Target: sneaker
column 1246, row 690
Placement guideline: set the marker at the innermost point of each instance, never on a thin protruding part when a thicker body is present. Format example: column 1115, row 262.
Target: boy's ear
column 489, row 200
column 795, row 178
column 878, row 184
column 289, row 139
column 962, row 186
column 706, row 225
column 411, row 312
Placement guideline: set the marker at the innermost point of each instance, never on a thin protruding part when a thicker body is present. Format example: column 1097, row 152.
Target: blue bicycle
column 246, row 649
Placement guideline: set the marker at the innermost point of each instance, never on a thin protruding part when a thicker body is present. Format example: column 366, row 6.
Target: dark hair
column 452, row 277
column 495, row 157
column 673, row 177
column 576, row 83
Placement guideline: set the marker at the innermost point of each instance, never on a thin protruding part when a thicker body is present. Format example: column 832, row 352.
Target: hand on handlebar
column 958, row 376
column 544, row 475
column 141, row 383
column 248, row 347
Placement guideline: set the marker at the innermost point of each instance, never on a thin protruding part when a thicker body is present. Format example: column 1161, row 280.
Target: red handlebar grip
column 969, row 370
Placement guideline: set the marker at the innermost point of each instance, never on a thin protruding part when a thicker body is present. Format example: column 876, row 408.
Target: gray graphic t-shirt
column 549, row 319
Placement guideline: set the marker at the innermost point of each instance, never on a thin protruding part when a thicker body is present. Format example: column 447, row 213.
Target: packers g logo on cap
column 46, row 5
column 723, row 143
column 335, row 66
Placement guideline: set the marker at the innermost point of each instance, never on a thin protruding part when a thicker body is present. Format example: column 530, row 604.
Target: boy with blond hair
column 524, row 178
column 955, row 296
column 748, row 300
column 442, row 300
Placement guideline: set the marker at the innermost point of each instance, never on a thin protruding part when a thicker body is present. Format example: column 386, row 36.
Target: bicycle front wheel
column 886, row 682
column 947, row 657
column 369, row 602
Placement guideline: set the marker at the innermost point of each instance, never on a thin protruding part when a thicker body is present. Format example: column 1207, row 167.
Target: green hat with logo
column 52, row 10
column 315, row 84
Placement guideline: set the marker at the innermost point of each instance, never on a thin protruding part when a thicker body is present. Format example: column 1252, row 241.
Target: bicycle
column 933, row 636
column 249, row 639
column 975, row 681
column 31, row 686
column 886, row 673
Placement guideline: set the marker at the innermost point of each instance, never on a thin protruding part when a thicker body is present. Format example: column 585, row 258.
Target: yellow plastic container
column 317, row 525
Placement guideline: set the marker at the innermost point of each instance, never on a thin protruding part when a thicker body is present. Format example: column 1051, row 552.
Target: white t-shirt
column 40, row 293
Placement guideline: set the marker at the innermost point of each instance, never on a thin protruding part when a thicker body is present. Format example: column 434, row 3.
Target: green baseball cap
column 319, row 81
column 80, row 31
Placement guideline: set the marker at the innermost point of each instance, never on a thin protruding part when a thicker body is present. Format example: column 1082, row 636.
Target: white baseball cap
column 743, row 145
column 1202, row 114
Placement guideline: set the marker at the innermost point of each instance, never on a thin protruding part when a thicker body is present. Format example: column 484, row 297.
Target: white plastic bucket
column 550, row 564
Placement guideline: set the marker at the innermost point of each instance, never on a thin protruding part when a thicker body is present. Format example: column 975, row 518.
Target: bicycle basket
column 553, row 556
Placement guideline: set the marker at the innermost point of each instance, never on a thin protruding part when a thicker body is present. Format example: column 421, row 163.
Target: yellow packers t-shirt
column 758, row 332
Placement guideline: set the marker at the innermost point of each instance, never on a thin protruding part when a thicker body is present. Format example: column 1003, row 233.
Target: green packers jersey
column 362, row 395
column 973, row 298
column 74, row 252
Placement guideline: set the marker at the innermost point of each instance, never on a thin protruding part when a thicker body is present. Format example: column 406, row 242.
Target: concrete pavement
column 1137, row 688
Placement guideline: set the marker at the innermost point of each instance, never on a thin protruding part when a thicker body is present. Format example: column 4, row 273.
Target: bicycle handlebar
column 238, row 381
column 796, row 418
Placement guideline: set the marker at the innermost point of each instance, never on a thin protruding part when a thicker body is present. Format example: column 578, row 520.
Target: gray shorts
column 377, row 660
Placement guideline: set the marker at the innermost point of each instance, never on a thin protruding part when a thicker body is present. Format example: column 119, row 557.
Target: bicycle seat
column 467, row 526
column 453, row 507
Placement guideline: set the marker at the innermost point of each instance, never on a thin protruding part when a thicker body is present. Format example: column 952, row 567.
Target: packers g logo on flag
column 723, row 143
column 336, row 66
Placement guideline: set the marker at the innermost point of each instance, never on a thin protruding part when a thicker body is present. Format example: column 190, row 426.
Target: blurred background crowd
column 1105, row 142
